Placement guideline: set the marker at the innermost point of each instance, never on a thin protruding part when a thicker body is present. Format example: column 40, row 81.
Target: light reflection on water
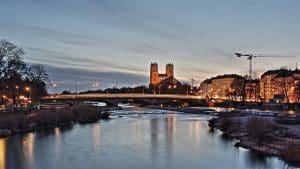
column 2, row 154
column 291, row 112
column 96, row 137
column 132, row 142
column 28, row 148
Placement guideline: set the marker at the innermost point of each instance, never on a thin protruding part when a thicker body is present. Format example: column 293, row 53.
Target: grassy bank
column 27, row 121
column 266, row 135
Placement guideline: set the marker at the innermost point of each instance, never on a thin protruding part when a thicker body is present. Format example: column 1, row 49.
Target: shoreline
column 278, row 141
column 48, row 118
column 204, row 110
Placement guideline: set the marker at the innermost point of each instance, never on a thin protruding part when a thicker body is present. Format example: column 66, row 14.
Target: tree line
column 16, row 77
column 162, row 89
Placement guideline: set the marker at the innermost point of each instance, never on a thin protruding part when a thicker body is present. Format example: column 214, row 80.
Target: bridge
column 137, row 98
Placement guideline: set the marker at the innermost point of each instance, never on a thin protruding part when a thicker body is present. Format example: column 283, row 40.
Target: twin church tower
column 156, row 78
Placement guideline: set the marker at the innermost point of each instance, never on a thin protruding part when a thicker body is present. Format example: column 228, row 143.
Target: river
column 132, row 139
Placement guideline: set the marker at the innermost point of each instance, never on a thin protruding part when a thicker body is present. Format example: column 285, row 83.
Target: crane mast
column 192, row 87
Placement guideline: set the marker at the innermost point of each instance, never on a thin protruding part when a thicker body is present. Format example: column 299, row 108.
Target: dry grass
column 47, row 118
column 258, row 128
column 291, row 152
column 229, row 125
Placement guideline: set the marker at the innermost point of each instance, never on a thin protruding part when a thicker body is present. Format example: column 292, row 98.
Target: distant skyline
column 104, row 41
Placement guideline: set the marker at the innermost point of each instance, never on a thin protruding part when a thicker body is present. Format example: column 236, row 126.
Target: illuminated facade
column 227, row 86
column 252, row 90
column 205, row 89
column 286, row 86
column 267, row 84
column 280, row 85
column 156, row 78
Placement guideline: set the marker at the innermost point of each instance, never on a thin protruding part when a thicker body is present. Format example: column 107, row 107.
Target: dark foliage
column 49, row 118
column 16, row 76
column 291, row 152
column 258, row 128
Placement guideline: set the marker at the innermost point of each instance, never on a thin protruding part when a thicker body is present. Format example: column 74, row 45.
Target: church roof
column 170, row 80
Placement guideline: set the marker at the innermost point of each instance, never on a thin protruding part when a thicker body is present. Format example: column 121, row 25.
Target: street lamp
column 4, row 99
column 28, row 89
column 17, row 88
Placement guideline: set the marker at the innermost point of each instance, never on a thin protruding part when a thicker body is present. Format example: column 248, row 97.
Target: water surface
column 134, row 141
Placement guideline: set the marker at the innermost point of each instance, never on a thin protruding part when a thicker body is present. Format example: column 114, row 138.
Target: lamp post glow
column 16, row 95
column 28, row 89
column 4, row 99
column 17, row 88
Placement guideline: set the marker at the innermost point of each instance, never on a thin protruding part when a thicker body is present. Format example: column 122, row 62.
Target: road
column 121, row 96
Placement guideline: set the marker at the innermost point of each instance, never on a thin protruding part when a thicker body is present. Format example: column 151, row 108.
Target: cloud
column 138, row 18
column 65, row 77
column 63, row 59
column 147, row 49
column 248, row 2
column 69, row 37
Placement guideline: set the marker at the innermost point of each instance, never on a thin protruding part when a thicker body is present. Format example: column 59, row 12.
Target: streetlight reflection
column 2, row 153
column 96, row 136
column 28, row 147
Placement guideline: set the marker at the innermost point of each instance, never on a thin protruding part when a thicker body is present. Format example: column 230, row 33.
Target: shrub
column 258, row 128
column 87, row 114
column 227, row 125
column 212, row 122
column 47, row 118
column 52, row 117
column 291, row 151
column 13, row 121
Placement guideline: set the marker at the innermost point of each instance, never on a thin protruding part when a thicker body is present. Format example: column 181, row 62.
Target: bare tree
column 258, row 128
column 14, row 74
column 284, row 85
column 37, row 73
column 237, row 89
column 37, row 78
column 297, row 90
column 12, row 67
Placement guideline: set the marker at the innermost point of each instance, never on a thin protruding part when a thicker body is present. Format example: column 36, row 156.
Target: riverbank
column 192, row 110
column 49, row 117
column 265, row 135
column 270, row 106
column 145, row 138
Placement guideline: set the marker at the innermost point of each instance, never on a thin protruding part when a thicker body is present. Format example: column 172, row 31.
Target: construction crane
column 193, row 80
column 192, row 87
column 250, row 57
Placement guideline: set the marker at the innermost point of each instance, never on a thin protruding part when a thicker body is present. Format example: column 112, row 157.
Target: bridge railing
column 121, row 95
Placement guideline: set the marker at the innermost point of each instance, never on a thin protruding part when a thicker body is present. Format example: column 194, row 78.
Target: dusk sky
column 101, row 41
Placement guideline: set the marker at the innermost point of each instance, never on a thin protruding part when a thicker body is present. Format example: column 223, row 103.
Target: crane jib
column 250, row 57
